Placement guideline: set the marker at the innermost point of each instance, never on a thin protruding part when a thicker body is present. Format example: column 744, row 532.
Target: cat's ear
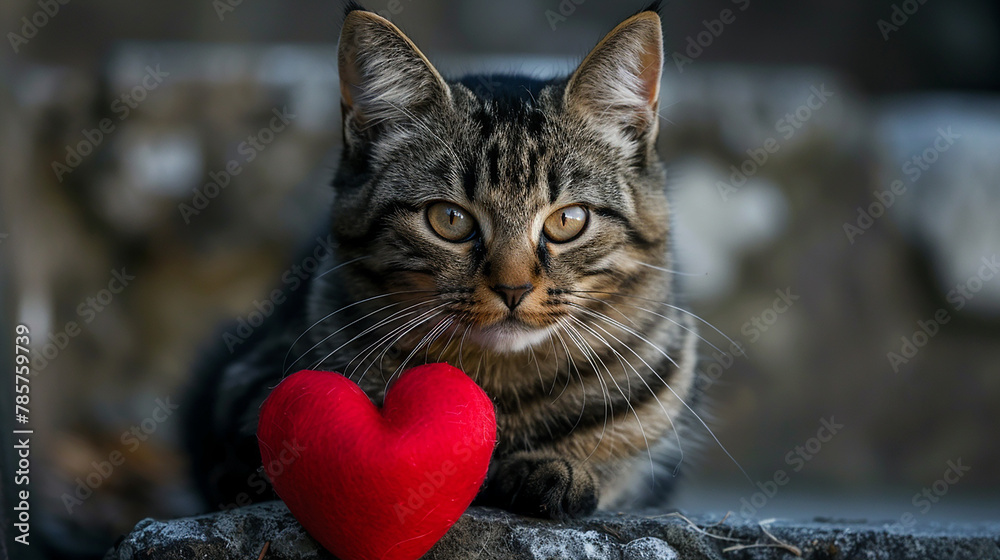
column 383, row 76
column 617, row 86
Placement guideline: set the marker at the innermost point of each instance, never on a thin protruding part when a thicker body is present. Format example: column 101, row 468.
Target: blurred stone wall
column 191, row 173
column 144, row 206
column 880, row 217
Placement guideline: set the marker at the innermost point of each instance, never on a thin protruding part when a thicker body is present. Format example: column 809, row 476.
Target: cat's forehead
column 505, row 90
column 503, row 108
column 507, row 141
column 525, row 150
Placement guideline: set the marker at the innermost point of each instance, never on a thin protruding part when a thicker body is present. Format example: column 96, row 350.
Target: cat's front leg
column 541, row 484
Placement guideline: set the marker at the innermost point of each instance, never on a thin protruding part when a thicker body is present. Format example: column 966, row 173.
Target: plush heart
column 370, row 483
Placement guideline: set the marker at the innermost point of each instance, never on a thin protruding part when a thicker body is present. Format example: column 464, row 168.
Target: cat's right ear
column 617, row 86
column 384, row 78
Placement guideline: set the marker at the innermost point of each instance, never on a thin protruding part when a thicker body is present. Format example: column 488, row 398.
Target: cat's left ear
column 617, row 86
column 384, row 77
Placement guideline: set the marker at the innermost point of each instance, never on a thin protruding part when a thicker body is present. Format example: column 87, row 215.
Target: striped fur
column 593, row 373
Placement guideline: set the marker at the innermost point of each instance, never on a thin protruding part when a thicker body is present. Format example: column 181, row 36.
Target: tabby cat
column 520, row 231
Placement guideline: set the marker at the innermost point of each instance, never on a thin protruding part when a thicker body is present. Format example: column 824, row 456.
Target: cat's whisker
column 667, row 385
column 447, row 345
column 438, row 331
column 446, row 322
column 407, row 312
column 667, row 270
column 659, row 113
column 673, row 427
column 571, row 364
column 401, row 330
column 387, row 341
column 482, row 354
column 399, row 333
column 552, row 351
column 343, row 264
column 609, row 304
column 569, row 377
column 286, row 369
column 538, row 368
column 628, row 400
column 284, row 362
column 660, row 315
column 461, row 349
column 674, row 307
column 581, row 343
column 585, row 348
column 392, row 317
column 601, row 360
column 624, row 316
column 452, row 321
column 686, row 328
column 427, row 339
column 408, row 330
column 625, row 328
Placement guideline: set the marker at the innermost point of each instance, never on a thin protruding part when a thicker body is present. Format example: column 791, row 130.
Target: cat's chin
column 509, row 338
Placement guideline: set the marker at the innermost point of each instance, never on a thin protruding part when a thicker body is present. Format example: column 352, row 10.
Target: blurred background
column 834, row 169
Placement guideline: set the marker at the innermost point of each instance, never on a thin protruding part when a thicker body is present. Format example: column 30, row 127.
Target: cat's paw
column 541, row 485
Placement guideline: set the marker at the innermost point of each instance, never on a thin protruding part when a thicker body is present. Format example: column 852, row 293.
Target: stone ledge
column 487, row 533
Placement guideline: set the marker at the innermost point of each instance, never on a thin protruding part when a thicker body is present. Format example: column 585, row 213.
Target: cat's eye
column 566, row 223
column 451, row 222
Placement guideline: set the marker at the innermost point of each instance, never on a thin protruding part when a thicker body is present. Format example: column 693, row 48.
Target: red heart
column 371, row 483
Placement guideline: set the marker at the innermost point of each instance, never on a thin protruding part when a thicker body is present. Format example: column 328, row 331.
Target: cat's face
column 505, row 204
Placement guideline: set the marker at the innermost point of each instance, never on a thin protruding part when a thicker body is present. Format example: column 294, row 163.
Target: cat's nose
column 512, row 295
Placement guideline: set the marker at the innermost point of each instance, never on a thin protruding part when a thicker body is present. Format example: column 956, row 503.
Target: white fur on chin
column 509, row 338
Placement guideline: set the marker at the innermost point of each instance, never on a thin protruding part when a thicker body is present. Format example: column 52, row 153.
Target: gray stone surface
column 487, row 533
